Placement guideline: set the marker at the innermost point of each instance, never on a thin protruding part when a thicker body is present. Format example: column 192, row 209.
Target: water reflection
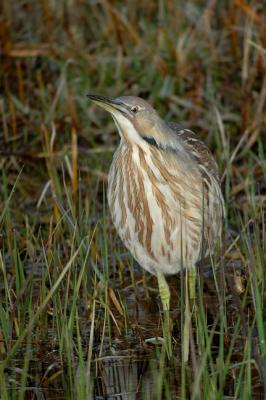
column 144, row 375
column 122, row 378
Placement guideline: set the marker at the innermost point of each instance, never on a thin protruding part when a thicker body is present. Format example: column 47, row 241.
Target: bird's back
column 197, row 148
column 208, row 168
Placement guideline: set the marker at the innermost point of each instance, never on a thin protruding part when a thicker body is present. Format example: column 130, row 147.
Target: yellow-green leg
column 192, row 274
column 190, row 294
column 164, row 291
column 165, row 298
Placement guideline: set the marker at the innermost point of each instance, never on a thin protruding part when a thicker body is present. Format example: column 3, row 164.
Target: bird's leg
column 165, row 298
column 187, row 320
column 190, row 294
column 164, row 291
column 192, row 273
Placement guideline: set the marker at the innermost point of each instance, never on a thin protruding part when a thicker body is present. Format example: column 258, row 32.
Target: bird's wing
column 208, row 168
column 197, row 148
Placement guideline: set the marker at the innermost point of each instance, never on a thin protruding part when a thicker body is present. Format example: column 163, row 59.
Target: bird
column 164, row 190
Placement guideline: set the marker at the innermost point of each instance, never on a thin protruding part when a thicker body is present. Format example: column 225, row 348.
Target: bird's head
column 136, row 120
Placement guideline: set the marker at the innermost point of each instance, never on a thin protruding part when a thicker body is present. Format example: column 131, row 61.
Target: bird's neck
column 163, row 137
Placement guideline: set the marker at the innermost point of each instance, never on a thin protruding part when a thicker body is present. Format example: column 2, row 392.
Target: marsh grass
column 78, row 318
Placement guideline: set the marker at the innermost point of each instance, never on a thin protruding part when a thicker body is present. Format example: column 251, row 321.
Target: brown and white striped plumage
column 163, row 189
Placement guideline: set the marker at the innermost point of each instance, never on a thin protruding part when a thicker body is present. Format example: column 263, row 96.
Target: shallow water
column 131, row 363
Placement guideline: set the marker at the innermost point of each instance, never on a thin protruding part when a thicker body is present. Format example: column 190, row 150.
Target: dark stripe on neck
column 151, row 141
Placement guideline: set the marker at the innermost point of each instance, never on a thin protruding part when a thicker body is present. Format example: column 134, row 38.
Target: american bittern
column 163, row 190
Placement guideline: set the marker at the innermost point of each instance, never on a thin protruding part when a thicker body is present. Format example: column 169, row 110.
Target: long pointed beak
column 109, row 105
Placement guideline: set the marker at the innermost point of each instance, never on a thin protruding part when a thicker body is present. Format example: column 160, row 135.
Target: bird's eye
column 135, row 109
